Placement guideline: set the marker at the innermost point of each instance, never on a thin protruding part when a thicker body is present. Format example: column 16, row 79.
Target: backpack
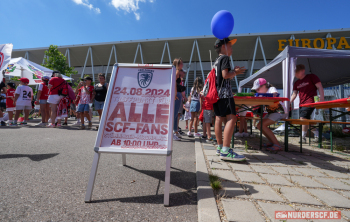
column 63, row 91
column 71, row 93
column 209, row 91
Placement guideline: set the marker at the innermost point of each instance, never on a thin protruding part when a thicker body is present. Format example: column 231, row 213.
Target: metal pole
column 44, row 59
column 262, row 50
column 87, row 55
column 189, row 64
column 92, row 65
column 68, row 57
column 110, row 57
column 233, row 66
column 200, row 61
column 167, row 181
column 343, row 118
column 161, row 60
column 330, row 128
column 92, row 178
column 115, row 54
column 256, row 46
column 124, row 159
column 195, row 71
column 136, row 52
column 167, row 43
column 141, row 54
column 261, row 124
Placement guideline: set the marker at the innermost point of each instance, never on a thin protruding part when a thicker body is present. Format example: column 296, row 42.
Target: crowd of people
column 225, row 112
column 55, row 101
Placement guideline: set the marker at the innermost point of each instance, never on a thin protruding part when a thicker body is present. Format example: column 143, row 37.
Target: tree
column 55, row 60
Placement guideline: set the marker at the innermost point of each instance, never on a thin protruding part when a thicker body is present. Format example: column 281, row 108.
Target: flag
column 5, row 57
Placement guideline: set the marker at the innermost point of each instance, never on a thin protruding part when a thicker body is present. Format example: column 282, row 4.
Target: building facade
column 252, row 50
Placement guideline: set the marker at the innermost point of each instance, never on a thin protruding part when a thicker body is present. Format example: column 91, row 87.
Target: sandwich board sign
column 137, row 116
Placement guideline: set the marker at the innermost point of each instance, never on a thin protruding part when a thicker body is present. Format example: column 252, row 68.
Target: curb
column 207, row 208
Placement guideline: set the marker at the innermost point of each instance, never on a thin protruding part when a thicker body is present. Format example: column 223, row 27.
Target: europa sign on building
column 318, row 43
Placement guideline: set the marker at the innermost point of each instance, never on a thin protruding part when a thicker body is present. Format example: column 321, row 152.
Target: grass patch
column 338, row 147
column 337, row 131
column 215, row 183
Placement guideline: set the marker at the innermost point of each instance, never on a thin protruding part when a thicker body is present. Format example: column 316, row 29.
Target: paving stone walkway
column 314, row 180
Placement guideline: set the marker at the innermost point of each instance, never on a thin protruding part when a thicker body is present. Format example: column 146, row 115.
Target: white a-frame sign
column 137, row 116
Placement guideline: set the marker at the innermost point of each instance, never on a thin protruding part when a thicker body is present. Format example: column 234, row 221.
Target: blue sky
column 39, row 23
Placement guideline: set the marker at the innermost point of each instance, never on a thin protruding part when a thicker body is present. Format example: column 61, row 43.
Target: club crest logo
column 144, row 77
column 37, row 74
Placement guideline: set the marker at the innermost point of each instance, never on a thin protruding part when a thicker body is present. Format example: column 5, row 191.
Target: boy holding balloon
column 225, row 106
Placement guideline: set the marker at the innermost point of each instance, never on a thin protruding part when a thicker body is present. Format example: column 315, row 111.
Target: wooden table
column 331, row 105
column 243, row 102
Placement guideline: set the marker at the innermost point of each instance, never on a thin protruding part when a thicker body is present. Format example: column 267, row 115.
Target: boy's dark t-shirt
column 223, row 85
column 306, row 88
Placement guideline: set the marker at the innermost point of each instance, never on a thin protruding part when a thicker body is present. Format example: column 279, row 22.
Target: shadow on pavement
column 182, row 179
column 33, row 157
column 176, row 199
column 185, row 180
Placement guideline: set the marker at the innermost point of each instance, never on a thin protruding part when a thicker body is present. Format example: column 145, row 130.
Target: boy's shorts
column 43, row 101
column 242, row 112
column 83, row 108
column 73, row 107
column 9, row 109
column 276, row 116
column 207, row 116
column 99, row 105
column 224, row 107
column 54, row 99
column 305, row 112
column 19, row 107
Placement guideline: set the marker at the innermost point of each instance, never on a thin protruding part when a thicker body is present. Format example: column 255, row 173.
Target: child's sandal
column 267, row 145
column 274, row 148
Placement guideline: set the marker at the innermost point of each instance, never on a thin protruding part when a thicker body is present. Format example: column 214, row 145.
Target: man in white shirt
column 23, row 100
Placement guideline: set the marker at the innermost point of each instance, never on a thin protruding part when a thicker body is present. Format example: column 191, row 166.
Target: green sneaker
column 218, row 151
column 232, row 156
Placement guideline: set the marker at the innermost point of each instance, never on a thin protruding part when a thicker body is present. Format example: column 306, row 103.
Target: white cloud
column 87, row 4
column 129, row 6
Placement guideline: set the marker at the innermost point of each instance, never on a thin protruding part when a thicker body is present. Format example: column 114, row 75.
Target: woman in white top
column 275, row 112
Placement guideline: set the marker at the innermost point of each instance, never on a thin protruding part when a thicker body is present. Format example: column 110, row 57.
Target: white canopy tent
column 331, row 66
column 24, row 68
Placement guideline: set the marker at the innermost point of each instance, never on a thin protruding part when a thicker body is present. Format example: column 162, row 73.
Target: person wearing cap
column 225, row 106
column 55, row 84
column 10, row 101
column 275, row 113
column 42, row 97
column 306, row 86
column 23, row 100
column 85, row 89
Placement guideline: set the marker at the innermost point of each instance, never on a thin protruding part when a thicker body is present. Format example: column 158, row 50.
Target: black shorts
column 224, row 107
column 305, row 112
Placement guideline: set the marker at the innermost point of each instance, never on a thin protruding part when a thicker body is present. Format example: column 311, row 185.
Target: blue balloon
column 222, row 24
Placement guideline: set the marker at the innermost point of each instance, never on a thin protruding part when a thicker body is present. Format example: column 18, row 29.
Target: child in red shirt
column 207, row 120
column 10, row 101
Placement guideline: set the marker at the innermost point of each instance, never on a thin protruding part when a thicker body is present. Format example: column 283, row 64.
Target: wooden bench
column 310, row 123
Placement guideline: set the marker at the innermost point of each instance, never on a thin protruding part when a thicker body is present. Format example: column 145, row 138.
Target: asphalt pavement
column 44, row 174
